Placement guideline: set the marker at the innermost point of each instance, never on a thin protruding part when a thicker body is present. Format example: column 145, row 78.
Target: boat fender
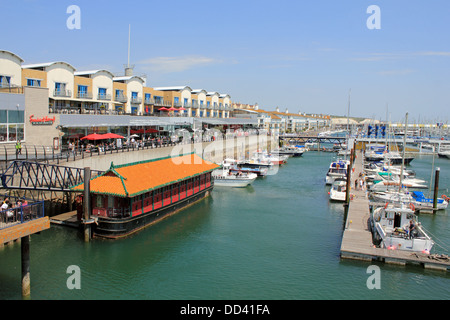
column 386, row 205
column 412, row 207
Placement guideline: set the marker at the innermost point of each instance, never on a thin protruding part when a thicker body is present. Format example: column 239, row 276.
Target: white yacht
column 224, row 177
column 337, row 169
column 338, row 190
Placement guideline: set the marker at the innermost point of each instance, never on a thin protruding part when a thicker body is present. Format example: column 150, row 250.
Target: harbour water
column 277, row 239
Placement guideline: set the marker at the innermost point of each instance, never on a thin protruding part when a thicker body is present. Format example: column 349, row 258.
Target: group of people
column 360, row 182
column 7, row 208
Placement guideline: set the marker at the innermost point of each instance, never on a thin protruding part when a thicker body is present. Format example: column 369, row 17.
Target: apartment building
column 42, row 99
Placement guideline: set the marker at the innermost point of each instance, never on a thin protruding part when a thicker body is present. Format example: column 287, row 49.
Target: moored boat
column 338, row 190
column 289, row 151
column 130, row 197
column 395, row 227
column 224, row 177
column 337, row 169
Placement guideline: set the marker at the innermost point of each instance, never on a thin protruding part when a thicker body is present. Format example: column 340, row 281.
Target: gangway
column 29, row 175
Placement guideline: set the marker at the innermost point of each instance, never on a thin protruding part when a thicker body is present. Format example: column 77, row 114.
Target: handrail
column 21, row 213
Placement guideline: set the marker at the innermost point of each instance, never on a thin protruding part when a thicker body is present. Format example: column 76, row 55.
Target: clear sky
column 300, row 55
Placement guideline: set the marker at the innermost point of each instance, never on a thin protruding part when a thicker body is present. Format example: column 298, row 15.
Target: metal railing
column 104, row 96
column 121, row 98
column 84, row 95
column 20, row 212
column 62, row 93
column 136, row 100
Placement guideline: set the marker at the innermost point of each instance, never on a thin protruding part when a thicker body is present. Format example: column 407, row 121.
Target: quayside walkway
column 357, row 238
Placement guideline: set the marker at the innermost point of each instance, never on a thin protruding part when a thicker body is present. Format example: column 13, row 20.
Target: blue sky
column 300, row 55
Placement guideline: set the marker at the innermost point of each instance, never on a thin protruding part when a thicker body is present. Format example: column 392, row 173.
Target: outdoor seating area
column 15, row 210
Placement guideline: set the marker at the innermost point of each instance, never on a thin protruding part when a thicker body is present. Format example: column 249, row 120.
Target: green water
column 278, row 239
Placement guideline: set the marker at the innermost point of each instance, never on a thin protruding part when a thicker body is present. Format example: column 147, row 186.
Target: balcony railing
column 84, row 95
column 136, row 100
column 62, row 93
column 104, row 96
column 162, row 103
column 121, row 98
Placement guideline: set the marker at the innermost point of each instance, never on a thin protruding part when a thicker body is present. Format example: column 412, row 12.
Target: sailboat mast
column 403, row 153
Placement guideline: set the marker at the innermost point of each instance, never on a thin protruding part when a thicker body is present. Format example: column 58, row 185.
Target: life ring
column 412, row 207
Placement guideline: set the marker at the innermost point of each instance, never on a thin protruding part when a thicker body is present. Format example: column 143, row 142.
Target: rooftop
column 133, row 179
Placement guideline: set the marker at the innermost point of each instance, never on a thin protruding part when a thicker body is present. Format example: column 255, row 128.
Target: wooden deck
column 67, row 219
column 357, row 238
column 21, row 230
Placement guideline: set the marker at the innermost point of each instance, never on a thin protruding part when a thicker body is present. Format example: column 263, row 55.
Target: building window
column 148, row 96
column 82, row 91
column 11, row 125
column 33, row 83
column 102, row 94
column 5, row 81
column 185, row 102
column 176, row 100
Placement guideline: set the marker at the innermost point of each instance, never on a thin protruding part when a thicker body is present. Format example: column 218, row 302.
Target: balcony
column 104, row 96
column 162, row 103
column 136, row 100
column 62, row 93
column 121, row 98
column 84, row 95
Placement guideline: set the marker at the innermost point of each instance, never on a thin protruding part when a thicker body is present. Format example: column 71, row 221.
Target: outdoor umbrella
column 111, row 135
column 94, row 136
column 182, row 109
column 172, row 109
column 163, row 109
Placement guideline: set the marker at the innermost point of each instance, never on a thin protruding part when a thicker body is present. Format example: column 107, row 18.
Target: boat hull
column 235, row 183
column 118, row 228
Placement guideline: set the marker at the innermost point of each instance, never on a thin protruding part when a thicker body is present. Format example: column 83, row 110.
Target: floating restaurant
column 130, row 197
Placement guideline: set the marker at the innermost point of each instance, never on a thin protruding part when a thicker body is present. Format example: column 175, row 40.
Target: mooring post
column 25, row 249
column 87, row 204
column 436, row 187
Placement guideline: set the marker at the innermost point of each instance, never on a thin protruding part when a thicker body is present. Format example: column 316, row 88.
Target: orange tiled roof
column 136, row 178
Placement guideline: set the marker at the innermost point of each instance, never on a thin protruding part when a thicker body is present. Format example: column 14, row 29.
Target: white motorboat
column 274, row 159
column 290, row 151
column 386, row 181
column 224, row 177
column 337, row 169
column 444, row 154
column 338, row 190
column 417, row 198
column 395, row 227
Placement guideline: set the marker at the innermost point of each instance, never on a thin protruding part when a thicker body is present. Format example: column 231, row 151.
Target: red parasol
column 111, row 135
column 94, row 136
column 163, row 109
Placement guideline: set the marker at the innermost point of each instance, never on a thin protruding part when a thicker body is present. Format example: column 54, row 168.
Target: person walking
column 18, row 148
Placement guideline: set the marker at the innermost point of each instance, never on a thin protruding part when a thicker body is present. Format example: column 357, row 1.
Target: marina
column 296, row 247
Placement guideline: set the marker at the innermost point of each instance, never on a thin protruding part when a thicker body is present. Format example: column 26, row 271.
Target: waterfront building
column 47, row 104
column 277, row 122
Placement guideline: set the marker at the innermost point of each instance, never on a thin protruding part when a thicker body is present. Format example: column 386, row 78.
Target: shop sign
column 44, row 121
